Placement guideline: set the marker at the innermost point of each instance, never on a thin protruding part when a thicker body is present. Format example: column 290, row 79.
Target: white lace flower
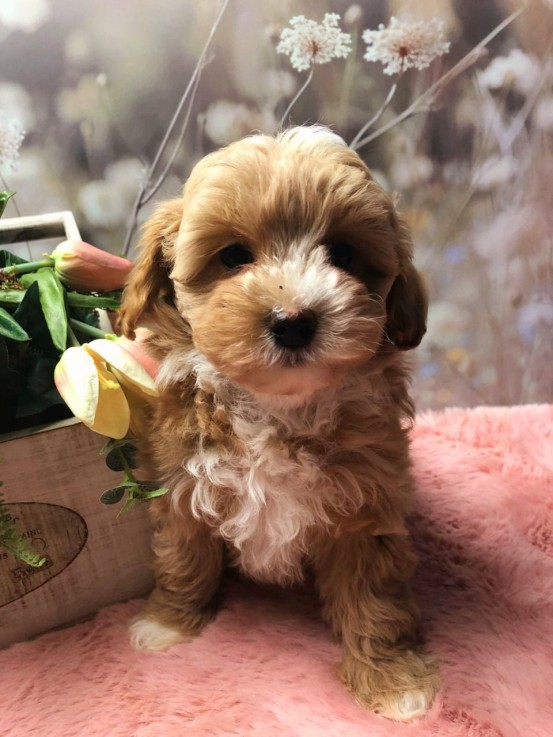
column 517, row 70
column 24, row 15
column 309, row 42
column 11, row 138
column 403, row 45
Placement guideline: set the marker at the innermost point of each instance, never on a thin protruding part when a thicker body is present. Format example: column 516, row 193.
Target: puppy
column 281, row 293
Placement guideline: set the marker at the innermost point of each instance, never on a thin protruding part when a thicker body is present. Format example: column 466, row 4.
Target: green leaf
column 10, row 328
column 31, row 318
column 129, row 505
column 112, row 444
column 113, row 496
column 114, row 460
column 7, row 258
column 12, row 540
column 4, row 199
column 12, row 296
column 39, row 392
column 53, row 304
column 91, row 302
column 145, row 491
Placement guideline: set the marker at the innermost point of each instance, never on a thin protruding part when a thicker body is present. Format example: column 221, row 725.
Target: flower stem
column 72, row 339
column 144, row 190
column 26, row 268
column 83, row 327
column 376, row 117
column 297, row 97
column 434, row 90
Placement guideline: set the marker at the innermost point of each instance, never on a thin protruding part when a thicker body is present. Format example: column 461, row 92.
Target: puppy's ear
column 407, row 301
column 149, row 281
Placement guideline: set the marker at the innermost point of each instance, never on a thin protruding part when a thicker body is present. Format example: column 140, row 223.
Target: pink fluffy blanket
column 267, row 665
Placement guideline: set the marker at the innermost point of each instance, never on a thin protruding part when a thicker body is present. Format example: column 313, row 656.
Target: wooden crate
column 53, row 477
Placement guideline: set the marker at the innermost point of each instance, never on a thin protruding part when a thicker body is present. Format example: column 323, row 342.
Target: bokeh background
column 94, row 83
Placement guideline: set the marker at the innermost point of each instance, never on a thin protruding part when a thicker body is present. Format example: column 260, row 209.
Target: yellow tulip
column 92, row 392
column 105, row 387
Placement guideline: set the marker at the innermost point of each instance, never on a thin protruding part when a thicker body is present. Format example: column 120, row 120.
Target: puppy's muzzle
column 293, row 330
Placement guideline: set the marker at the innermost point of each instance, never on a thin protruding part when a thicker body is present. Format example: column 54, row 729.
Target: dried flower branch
column 429, row 96
column 147, row 190
column 308, row 43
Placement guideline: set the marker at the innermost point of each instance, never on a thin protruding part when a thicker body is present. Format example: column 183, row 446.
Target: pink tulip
column 138, row 349
column 88, row 269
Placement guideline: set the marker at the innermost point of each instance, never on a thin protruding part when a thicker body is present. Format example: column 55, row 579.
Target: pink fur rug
column 267, row 665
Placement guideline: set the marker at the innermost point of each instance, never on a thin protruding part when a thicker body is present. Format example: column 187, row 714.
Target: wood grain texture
column 92, row 563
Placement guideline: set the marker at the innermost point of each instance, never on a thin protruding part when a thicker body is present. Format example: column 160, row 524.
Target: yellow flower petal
column 76, row 379
column 129, row 371
column 113, row 415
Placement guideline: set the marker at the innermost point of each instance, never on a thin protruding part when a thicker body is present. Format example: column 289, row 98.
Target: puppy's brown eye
column 340, row 255
column 235, row 256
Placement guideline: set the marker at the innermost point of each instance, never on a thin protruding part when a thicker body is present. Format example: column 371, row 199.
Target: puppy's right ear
column 149, row 281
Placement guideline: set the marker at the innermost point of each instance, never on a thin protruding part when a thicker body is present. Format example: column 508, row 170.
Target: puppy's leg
column 188, row 565
column 362, row 583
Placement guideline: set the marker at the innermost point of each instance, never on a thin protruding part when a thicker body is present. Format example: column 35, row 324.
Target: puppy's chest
column 263, row 492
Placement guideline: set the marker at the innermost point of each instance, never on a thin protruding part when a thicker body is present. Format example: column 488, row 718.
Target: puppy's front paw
column 400, row 688
column 147, row 634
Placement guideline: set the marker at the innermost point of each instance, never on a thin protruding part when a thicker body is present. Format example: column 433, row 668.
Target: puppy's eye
column 340, row 255
column 235, row 256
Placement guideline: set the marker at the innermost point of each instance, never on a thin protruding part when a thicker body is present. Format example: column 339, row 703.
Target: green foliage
column 52, row 302
column 4, row 199
column 10, row 328
column 13, row 541
column 120, row 456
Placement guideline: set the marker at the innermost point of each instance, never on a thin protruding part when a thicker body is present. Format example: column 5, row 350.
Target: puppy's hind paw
column 147, row 634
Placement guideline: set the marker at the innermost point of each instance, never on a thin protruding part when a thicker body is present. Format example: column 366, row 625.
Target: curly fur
column 280, row 461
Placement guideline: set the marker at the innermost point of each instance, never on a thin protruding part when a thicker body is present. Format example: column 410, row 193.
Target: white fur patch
column 278, row 490
column 410, row 705
column 310, row 137
column 146, row 634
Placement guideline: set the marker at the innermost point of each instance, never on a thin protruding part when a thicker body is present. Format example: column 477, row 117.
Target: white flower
column 309, row 42
column 127, row 175
column 276, row 84
column 411, row 170
column 517, row 70
column 403, row 45
column 494, row 172
column 103, row 204
column 16, row 102
column 11, row 138
column 24, row 15
column 227, row 121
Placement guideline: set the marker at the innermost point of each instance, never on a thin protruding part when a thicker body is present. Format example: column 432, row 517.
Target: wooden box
column 52, row 479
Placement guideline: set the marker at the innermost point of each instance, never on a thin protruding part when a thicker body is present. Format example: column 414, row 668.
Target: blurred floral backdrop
column 87, row 90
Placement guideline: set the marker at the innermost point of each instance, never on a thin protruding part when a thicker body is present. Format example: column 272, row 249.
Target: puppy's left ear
column 407, row 301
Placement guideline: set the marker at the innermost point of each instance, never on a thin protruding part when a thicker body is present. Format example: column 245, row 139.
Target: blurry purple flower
column 309, row 42
column 429, row 370
column 455, row 254
column 531, row 316
column 403, row 45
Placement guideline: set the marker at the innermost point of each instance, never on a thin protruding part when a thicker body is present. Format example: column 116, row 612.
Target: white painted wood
column 35, row 227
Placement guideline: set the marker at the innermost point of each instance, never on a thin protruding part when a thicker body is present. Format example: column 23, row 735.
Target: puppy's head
column 284, row 263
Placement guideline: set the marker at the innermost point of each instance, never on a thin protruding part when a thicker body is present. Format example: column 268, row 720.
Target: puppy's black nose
column 293, row 330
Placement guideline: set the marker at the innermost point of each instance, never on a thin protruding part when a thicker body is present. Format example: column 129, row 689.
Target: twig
column 427, row 97
column 18, row 211
column 376, row 117
column 297, row 96
column 189, row 88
